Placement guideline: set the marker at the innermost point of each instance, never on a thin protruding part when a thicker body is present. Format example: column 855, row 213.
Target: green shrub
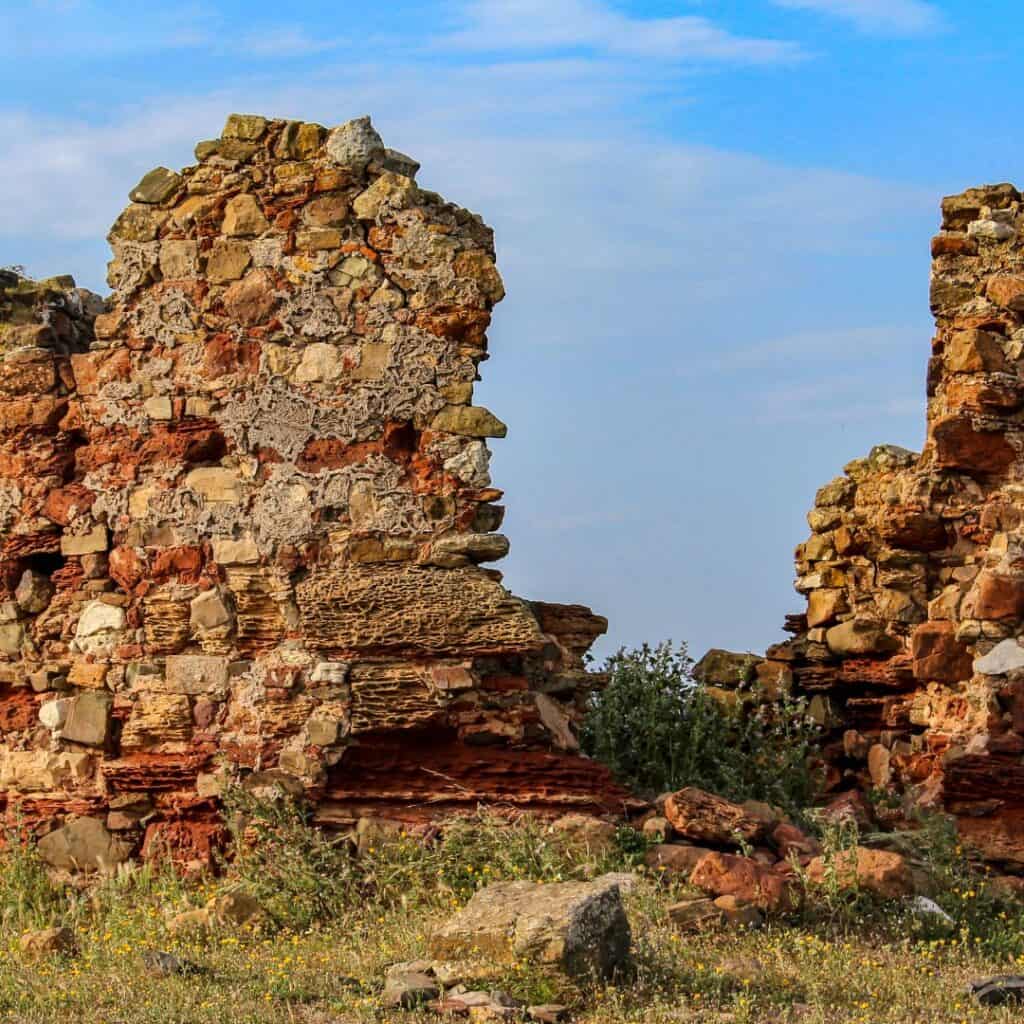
column 657, row 729
column 298, row 873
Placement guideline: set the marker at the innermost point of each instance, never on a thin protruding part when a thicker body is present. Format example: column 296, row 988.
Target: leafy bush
column 657, row 729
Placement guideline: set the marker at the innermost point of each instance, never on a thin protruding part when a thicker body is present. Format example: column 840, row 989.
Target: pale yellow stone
column 362, row 506
column 215, row 483
column 90, row 543
column 243, row 216
column 197, row 406
column 320, row 362
column 235, row 552
column 469, row 421
column 159, row 407
column 178, row 258
column 208, row 784
column 878, row 765
column 374, row 360
column 458, row 394
column 194, row 674
column 208, row 611
column 192, row 209
column 279, row 359
column 12, row 636
column 391, row 192
column 318, row 239
column 139, row 499
column 227, row 261
column 356, row 266
column 41, row 771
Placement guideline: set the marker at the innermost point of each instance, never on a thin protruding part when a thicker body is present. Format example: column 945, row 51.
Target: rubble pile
column 247, row 510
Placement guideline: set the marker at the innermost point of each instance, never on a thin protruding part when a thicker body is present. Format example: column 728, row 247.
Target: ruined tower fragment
column 914, row 571
column 246, row 509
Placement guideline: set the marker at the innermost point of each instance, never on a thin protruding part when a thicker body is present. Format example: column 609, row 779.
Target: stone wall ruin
column 246, row 508
column 910, row 649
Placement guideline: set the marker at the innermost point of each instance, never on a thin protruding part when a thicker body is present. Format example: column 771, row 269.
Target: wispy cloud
column 850, row 344
column 560, row 163
column 846, row 402
column 89, row 28
column 276, row 41
column 881, row 17
column 570, row 25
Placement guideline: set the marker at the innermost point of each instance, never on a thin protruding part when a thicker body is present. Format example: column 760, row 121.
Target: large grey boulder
column 579, row 928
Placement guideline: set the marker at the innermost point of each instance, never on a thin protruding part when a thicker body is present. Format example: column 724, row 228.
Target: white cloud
column 884, row 17
column 521, row 27
column 554, row 25
column 561, row 163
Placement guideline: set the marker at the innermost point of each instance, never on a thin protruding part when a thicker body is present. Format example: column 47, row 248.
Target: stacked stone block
column 248, row 508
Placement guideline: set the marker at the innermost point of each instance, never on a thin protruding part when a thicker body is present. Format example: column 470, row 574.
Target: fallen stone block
column 47, row 942
column 879, row 871
column 695, row 814
column 723, row 874
column 1001, row 990
column 579, row 928
column 84, row 844
column 695, row 914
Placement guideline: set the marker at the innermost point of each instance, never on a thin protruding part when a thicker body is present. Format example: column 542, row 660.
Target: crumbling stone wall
column 914, row 571
column 246, row 509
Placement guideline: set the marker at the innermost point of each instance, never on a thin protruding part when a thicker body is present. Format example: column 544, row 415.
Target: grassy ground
column 845, row 963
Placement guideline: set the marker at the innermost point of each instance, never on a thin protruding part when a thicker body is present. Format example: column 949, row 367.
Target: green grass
column 862, row 963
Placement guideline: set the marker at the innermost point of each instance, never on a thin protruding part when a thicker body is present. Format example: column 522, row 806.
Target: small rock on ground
column 47, row 942
column 1001, row 990
column 164, row 964
column 409, row 989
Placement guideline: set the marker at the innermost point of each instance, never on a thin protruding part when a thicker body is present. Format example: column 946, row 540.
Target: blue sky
column 712, row 218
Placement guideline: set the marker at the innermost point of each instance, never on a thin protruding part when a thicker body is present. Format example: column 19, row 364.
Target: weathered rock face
column 246, row 506
column 914, row 572
column 580, row 928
